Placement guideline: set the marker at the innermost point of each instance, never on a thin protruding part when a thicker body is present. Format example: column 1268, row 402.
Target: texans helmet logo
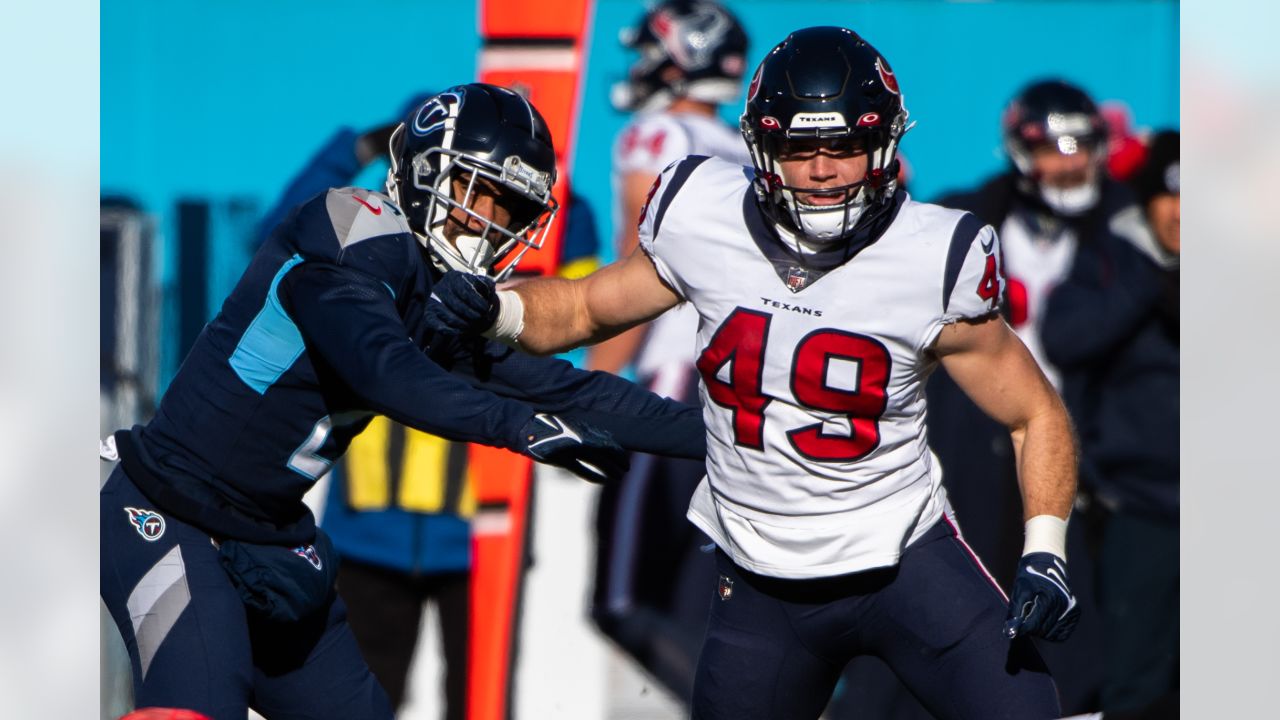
column 148, row 523
column 755, row 83
column 662, row 24
column 886, row 76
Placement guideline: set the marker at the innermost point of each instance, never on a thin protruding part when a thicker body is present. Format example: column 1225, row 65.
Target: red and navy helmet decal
column 755, row 83
column 661, row 24
column 886, row 76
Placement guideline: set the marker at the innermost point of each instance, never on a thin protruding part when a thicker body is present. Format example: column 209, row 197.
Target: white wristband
column 510, row 323
column 1046, row 533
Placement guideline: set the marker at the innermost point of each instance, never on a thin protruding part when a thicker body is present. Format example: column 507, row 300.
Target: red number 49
column 740, row 342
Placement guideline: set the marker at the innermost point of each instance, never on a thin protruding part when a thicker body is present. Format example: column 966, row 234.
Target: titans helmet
column 688, row 48
column 1056, row 114
column 824, row 83
column 469, row 139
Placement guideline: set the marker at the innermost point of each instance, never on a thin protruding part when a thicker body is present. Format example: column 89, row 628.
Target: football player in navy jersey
column 211, row 564
column 825, row 298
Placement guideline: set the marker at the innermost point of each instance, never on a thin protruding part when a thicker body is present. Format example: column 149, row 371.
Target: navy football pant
column 652, row 576
column 192, row 644
column 775, row 648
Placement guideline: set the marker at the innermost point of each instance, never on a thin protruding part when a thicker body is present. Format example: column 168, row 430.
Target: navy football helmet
column 688, row 48
column 474, row 137
column 1053, row 113
column 825, row 83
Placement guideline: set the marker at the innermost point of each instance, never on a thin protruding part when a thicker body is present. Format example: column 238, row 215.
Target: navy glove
column 582, row 449
column 1042, row 603
column 462, row 304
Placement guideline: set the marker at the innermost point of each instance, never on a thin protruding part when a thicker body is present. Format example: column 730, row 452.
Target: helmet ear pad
column 825, row 83
column 478, row 138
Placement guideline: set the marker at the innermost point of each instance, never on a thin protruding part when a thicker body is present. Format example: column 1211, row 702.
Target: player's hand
column 1042, row 603
column 462, row 304
column 584, row 450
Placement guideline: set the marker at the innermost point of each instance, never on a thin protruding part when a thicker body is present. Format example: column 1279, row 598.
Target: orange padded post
column 535, row 48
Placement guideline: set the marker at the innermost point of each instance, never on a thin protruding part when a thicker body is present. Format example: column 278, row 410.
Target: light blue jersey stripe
column 271, row 343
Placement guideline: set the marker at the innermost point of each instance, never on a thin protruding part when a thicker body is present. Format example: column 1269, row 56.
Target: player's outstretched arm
column 349, row 320
column 616, row 353
column 638, row 419
column 550, row 315
column 993, row 367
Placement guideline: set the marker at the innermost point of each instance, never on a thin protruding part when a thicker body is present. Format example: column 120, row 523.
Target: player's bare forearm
column 994, row 368
column 1045, row 449
column 616, row 353
column 555, row 317
column 562, row 314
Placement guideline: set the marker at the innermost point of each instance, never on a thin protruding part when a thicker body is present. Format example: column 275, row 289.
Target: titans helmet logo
column 437, row 111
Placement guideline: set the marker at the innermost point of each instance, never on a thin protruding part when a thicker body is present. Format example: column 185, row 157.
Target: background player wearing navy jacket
column 325, row 329
column 1112, row 328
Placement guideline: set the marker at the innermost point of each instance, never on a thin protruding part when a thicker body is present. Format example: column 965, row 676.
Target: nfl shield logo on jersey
column 797, row 278
column 148, row 523
column 726, row 588
column 308, row 553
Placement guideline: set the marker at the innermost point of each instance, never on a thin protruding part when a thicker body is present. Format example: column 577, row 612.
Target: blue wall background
column 225, row 100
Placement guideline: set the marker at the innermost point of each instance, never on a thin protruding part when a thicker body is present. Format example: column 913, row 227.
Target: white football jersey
column 813, row 383
column 1035, row 264
column 1038, row 259
column 649, row 143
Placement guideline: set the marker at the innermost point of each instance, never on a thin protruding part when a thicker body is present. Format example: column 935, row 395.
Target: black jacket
column 1112, row 329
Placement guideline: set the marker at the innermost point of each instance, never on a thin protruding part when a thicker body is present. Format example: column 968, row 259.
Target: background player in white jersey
column 692, row 54
column 652, row 578
column 826, row 297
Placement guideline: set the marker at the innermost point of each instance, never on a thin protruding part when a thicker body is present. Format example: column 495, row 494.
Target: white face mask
column 823, row 225
column 1072, row 201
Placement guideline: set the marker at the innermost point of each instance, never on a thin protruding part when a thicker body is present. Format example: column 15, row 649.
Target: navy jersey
column 325, row 329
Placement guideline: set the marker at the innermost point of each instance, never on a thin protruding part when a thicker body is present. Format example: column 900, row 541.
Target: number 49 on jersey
column 740, row 342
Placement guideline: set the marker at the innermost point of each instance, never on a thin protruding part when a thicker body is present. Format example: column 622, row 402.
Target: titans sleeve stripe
column 961, row 240
column 678, row 179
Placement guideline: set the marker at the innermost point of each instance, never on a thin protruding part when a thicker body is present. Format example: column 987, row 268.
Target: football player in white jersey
column 652, row 577
column 692, row 54
column 825, row 299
